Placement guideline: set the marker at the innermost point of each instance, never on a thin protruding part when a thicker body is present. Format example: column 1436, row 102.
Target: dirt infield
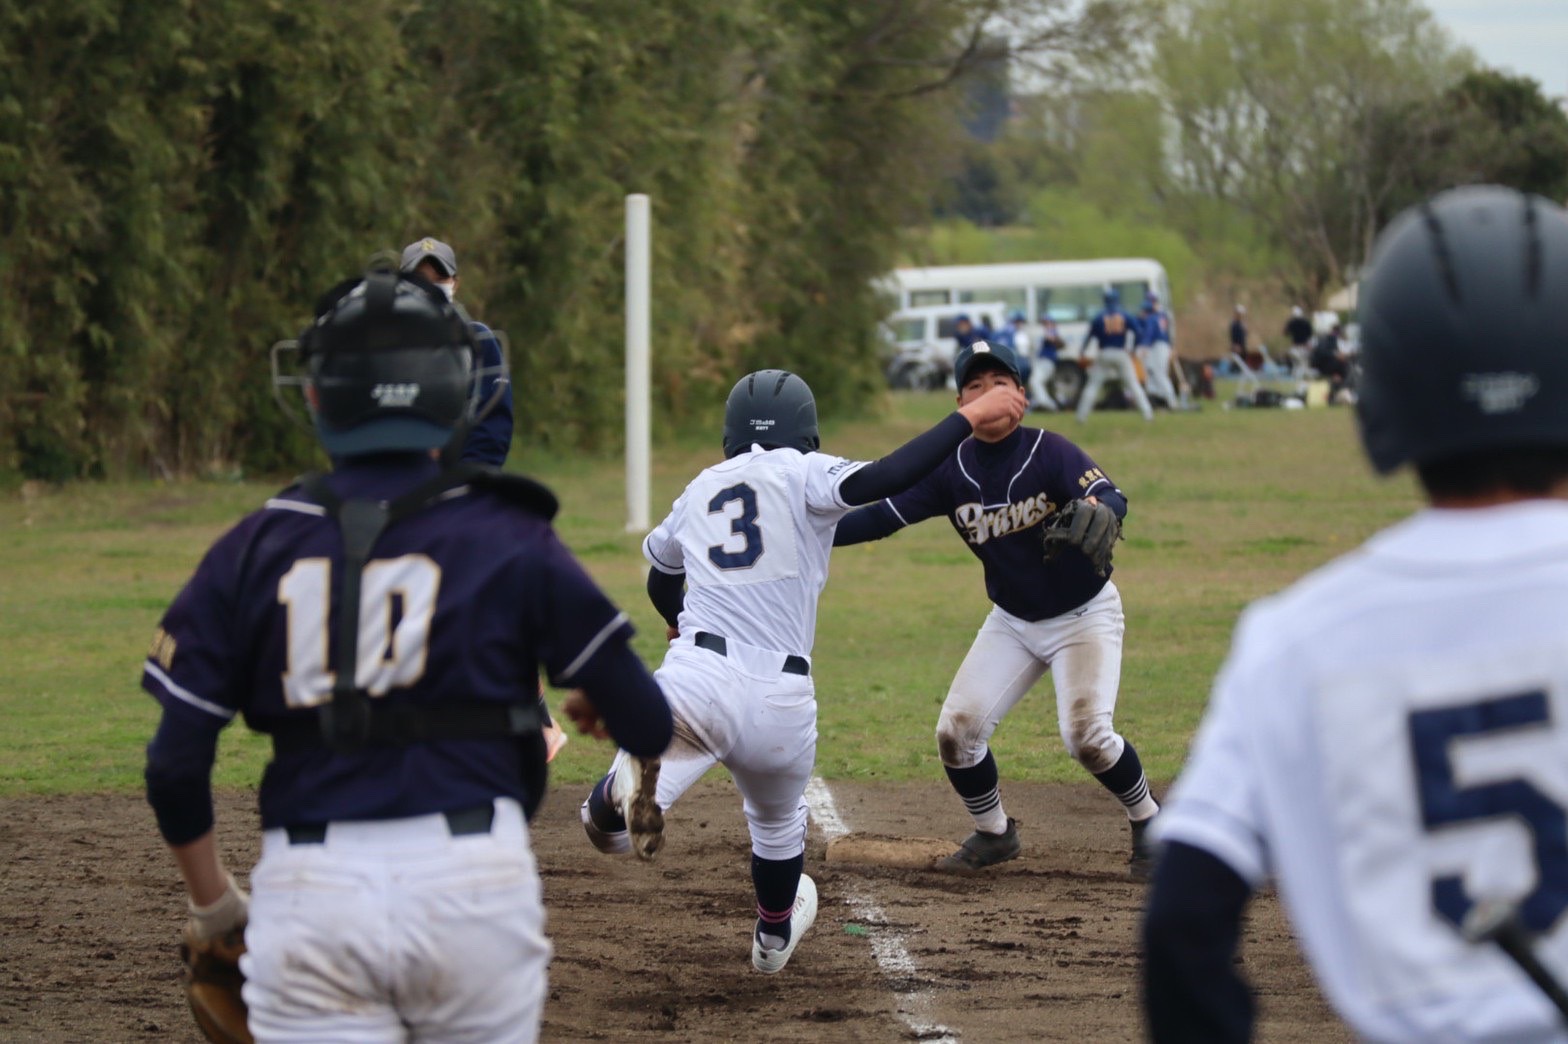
column 1042, row 948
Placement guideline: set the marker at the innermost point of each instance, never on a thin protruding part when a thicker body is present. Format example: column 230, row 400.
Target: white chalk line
column 887, row 945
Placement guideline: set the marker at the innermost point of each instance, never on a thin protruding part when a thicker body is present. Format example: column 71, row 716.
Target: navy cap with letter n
column 993, row 356
column 1462, row 343
column 431, row 249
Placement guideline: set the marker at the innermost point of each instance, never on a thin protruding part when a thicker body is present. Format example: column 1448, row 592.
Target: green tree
column 1280, row 110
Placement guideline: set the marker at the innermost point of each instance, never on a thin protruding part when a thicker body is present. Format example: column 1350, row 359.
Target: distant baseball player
column 749, row 540
column 1116, row 334
column 490, row 440
column 1050, row 343
column 1298, row 328
column 1054, row 607
column 1388, row 740
column 386, row 625
column 1154, row 339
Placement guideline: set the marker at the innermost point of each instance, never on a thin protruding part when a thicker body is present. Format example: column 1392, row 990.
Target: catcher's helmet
column 392, row 365
column 773, row 408
column 1462, row 336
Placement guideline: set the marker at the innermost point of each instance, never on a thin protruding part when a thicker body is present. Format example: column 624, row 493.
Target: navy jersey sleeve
column 872, row 522
column 194, row 659
column 925, row 499
column 910, row 462
column 193, row 671
column 928, row 498
column 573, row 619
column 584, row 644
column 491, row 439
column 1084, row 478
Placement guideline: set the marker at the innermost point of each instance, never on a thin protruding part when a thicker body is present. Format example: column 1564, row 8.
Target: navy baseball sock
column 978, row 786
column 776, row 881
column 605, row 816
column 1126, row 780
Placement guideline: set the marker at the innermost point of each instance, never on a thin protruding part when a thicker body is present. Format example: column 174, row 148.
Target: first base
column 912, row 853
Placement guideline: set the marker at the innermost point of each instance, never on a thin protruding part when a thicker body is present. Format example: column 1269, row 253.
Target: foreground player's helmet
column 773, row 408
column 1461, row 330
column 392, row 365
column 1113, row 297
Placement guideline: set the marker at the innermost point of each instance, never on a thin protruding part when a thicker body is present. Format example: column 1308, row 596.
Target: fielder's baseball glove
column 1089, row 528
column 212, row 984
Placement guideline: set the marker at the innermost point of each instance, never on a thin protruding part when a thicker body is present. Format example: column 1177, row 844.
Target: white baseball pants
column 1159, row 367
column 1083, row 651
column 1117, row 363
column 740, row 710
column 396, row 930
column 1039, row 384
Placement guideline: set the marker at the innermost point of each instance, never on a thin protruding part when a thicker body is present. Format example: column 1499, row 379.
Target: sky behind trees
column 1524, row 37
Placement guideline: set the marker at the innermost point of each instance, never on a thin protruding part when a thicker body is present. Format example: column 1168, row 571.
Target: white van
column 1070, row 292
column 923, row 341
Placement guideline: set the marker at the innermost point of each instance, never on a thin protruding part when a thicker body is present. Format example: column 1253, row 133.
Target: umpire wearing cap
column 490, row 440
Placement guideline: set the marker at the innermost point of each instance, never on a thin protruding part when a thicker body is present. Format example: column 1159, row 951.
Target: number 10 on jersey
column 396, row 603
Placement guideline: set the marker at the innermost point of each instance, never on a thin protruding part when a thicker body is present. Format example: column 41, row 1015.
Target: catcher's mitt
column 1090, row 528
column 212, row 984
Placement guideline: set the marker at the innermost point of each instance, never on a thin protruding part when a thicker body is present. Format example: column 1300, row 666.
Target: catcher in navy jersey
column 1054, row 607
column 387, row 625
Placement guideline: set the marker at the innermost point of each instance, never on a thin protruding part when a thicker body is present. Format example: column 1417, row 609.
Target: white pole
column 638, row 429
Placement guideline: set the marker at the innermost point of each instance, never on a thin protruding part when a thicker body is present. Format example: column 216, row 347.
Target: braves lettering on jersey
column 466, row 598
column 996, row 496
column 1057, row 616
column 753, row 535
column 1388, row 741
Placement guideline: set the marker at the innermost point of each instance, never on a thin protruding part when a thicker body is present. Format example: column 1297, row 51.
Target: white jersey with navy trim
column 753, row 535
column 1389, row 741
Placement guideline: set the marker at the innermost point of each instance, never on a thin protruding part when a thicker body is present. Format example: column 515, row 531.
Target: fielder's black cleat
column 981, row 850
column 1141, row 865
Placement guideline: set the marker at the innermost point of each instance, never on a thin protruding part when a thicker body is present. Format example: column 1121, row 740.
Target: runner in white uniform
column 1388, row 740
column 750, row 539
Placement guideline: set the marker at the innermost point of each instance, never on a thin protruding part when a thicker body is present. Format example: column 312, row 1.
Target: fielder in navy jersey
column 465, row 597
column 997, row 490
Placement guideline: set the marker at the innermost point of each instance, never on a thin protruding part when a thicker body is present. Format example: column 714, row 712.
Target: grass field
column 1226, row 505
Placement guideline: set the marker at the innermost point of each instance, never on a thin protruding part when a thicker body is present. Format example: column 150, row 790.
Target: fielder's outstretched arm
column 921, row 455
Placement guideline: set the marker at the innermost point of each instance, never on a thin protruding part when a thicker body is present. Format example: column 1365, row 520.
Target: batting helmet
column 392, row 365
column 1462, row 336
column 773, row 408
column 1112, row 297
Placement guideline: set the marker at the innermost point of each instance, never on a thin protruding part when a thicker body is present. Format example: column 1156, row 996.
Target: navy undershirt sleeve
column 872, row 522
column 179, row 772
column 628, row 700
column 1113, row 500
column 1191, row 927
column 667, row 592
column 908, row 464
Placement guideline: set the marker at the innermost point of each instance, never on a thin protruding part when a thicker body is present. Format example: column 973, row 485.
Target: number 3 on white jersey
column 397, row 599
